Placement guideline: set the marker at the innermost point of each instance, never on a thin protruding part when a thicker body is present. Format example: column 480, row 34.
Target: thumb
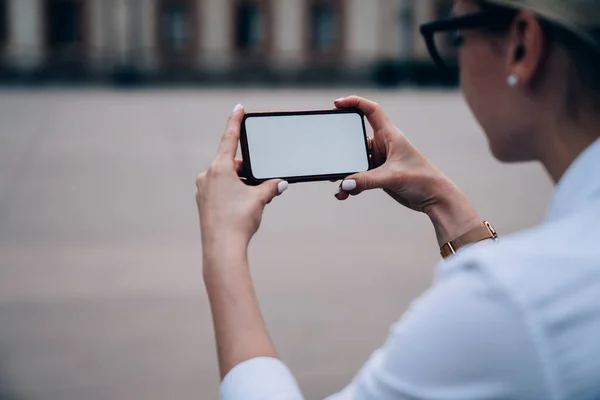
column 271, row 189
column 358, row 183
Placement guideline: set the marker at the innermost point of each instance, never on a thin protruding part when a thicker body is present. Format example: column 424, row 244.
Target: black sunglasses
column 491, row 20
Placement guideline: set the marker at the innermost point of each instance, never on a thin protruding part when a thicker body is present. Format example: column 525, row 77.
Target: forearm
column 452, row 215
column 240, row 330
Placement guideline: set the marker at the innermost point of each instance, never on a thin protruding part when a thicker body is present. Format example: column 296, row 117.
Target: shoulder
column 454, row 340
column 549, row 276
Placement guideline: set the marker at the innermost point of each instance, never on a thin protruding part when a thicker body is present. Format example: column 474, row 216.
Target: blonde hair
column 575, row 25
column 581, row 17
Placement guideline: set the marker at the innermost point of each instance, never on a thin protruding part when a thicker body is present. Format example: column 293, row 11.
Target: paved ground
column 101, row 295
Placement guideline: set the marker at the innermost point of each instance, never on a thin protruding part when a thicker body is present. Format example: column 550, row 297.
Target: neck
column 561, row 143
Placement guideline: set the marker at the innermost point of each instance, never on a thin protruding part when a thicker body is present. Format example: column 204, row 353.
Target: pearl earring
column 513, row 80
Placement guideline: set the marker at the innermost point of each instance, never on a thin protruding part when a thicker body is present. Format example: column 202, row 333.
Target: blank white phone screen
column 306, row 145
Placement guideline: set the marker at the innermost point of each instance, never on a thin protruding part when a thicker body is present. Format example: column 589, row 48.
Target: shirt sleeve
column 260, row 379
column 464, row 339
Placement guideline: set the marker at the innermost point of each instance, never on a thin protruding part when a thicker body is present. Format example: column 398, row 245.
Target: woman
column 529, row 320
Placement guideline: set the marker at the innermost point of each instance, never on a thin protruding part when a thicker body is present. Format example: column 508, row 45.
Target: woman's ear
column 526, row 47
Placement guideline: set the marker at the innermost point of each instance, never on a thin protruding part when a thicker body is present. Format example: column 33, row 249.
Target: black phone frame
column 247, row 164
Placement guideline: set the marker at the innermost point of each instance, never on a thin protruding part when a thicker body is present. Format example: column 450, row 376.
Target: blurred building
column 211, row 38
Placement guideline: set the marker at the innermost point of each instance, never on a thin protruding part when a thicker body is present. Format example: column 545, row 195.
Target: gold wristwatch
column 484, row 232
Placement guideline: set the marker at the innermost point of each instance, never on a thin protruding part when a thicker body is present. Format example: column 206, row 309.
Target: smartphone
column 304, row 146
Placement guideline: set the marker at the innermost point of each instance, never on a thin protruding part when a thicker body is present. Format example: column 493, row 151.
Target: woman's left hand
column 231, row 211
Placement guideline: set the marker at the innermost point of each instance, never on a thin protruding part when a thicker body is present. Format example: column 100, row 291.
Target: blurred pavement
column 101, row 293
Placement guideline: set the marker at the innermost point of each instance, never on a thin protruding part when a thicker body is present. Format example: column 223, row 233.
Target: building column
column 97, row 35
column 119, row 31
column 135, row 36
column 147, row 45
column 217, row 30
column 407, row 31
column 362, row 36
column 288, row 32
column 425, row 11
column 389, row 29
column 25, row 47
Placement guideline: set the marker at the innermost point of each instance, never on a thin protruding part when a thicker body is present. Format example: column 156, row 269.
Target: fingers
column 356, row 184
column 239, row 168
column 270, row 189
column 231, row 137
column 372, row 111
column 199, row 181
column 341, row 194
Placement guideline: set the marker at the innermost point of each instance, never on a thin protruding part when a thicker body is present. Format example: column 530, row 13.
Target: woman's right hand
column 408, row 177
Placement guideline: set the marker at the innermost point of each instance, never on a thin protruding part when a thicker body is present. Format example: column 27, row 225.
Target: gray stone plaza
column 101, row 292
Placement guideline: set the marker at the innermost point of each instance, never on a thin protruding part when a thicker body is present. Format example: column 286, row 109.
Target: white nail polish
column 339, row 189
column 340, row 99
column 282, row 187
column 237, row 108
column 349, row 185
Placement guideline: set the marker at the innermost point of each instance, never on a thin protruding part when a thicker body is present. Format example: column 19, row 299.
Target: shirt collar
column 579, row 185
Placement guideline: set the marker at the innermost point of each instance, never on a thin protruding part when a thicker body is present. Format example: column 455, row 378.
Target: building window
column 251, row 22
column 64, row 23
column 3, row 24
column 176, row 26
column 325, row 27
column 177, row 31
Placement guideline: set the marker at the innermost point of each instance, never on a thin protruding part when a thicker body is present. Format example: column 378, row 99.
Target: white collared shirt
column 516, row 319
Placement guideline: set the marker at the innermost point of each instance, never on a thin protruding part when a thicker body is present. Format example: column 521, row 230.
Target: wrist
column 223, row 250
column 452, row 215
column 221, row 270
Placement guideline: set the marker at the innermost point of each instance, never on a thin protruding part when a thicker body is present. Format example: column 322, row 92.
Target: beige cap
column 582, row 17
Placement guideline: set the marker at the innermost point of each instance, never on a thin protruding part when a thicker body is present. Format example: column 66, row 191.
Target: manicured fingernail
column 237, row 108
column 340, row 99
column 282, row 186
column 338, row 191
column 349, row 185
